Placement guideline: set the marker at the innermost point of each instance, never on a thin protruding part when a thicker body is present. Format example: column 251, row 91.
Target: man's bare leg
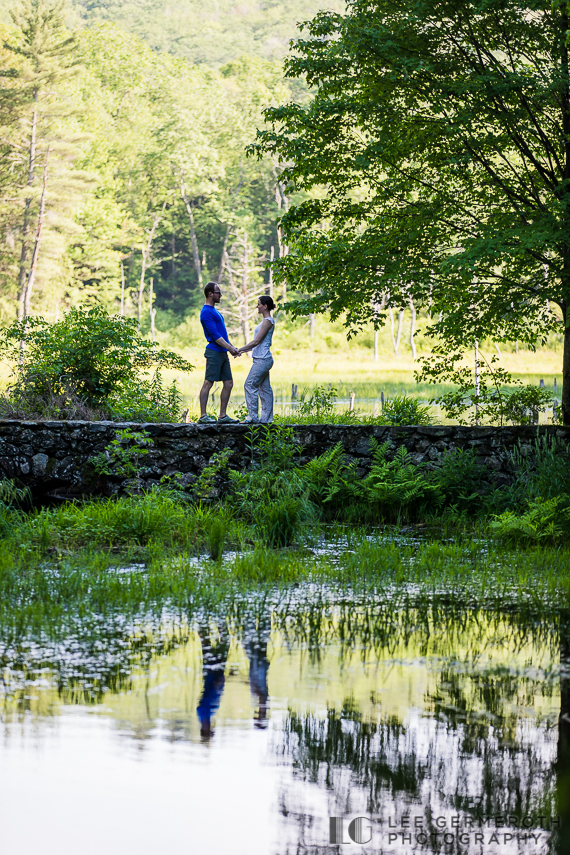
column 204, row 393
column 227, row 387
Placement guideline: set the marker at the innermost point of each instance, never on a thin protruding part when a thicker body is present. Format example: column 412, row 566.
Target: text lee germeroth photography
column 451, row 833
column 285, row 427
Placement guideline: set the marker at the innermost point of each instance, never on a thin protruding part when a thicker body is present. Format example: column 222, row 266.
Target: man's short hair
column 210, row 288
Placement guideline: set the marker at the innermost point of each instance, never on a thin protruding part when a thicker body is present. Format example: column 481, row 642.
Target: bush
column 273, row 495
column 460, row 479
column 521, row 406
column 89, row 359
column 544, row 473
column 273, row 448
column 405, row 410
column 319, row 404
column 146, row 401
column 545, row 520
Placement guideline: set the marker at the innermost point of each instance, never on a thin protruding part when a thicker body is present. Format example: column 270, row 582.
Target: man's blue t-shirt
column 214, row 327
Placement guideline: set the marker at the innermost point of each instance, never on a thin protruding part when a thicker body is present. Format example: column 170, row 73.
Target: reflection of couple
column 214, row 657
column 257, row 386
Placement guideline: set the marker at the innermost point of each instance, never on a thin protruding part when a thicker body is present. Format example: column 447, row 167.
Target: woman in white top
column 257, row 386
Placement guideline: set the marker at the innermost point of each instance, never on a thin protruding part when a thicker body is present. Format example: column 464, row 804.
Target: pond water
column 246, row 731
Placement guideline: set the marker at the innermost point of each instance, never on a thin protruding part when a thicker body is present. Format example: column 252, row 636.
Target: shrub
column 405, row 410
column 146, row 401
column 273, row 447
column 122, row 457
column 460, row 479
column 489, row 396
column 319, row 404
column 544, row 473
column 545, row 520
column 521, row 406
column 88, row 358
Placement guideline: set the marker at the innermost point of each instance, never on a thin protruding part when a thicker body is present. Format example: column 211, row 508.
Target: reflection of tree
column 322, row 748
column 215, row 650
column 85, row 658
column 473, row 756
column 562, row 839
column 482, row 711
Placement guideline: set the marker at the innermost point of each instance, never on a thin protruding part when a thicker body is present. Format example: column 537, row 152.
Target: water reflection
column 562, row 835
column 255, row 643
column 376, row 710
column 215, row 650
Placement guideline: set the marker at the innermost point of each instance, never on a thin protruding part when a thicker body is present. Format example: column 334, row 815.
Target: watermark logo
column 454, row 829
column 359, row 831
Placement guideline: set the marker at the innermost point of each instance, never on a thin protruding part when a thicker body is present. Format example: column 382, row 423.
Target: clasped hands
column 235, row 351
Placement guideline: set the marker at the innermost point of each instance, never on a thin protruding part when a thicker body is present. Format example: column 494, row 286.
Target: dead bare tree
column 243, row 266
column 36, row 250
column 146, row 255
column 413, row 329
column 23, row 271
column 193, row 238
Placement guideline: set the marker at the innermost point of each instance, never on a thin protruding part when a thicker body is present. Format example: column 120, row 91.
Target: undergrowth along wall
column 73, row 458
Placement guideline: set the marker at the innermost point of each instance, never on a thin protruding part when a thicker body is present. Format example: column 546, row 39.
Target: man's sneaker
column 207, row 420
column 227, row 420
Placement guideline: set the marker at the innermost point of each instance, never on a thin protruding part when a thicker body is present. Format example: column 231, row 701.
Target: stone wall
column 53, row 458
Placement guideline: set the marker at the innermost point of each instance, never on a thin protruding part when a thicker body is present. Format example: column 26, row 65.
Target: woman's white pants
column 258, row 388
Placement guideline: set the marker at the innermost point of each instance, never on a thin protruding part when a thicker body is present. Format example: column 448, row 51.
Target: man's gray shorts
column 217, row 365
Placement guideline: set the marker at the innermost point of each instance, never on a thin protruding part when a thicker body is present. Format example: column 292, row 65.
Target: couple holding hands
column 257, row 386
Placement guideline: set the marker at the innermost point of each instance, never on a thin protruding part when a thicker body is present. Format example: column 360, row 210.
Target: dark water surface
column 245, row 732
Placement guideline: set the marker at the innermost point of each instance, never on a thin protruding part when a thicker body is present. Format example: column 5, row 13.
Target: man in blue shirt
column 217, row 361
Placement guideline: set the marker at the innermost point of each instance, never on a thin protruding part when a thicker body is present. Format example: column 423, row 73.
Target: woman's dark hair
column 265, row 300
column 210, row 288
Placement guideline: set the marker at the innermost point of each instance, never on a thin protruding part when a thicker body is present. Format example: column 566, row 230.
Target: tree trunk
column 36, row 252
column 224, row 253
column 23, row 272
column 270, row 284
column 566, row 366
column 399, row 333
column 141, row 288
column 193, row 238
column 282, row 201
column 413, row 329
column 244, row 294
column 477, row 380
column 229, row 225
column 375, row 345
column 146, row 255
column 152, row 311
column 565, row 247
column 391, row 315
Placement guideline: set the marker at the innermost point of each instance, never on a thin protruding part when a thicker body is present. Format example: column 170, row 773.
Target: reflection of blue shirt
column 211, row 696
column 214, row 327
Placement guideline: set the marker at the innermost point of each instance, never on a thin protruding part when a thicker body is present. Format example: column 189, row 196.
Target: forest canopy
column 122, row 162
